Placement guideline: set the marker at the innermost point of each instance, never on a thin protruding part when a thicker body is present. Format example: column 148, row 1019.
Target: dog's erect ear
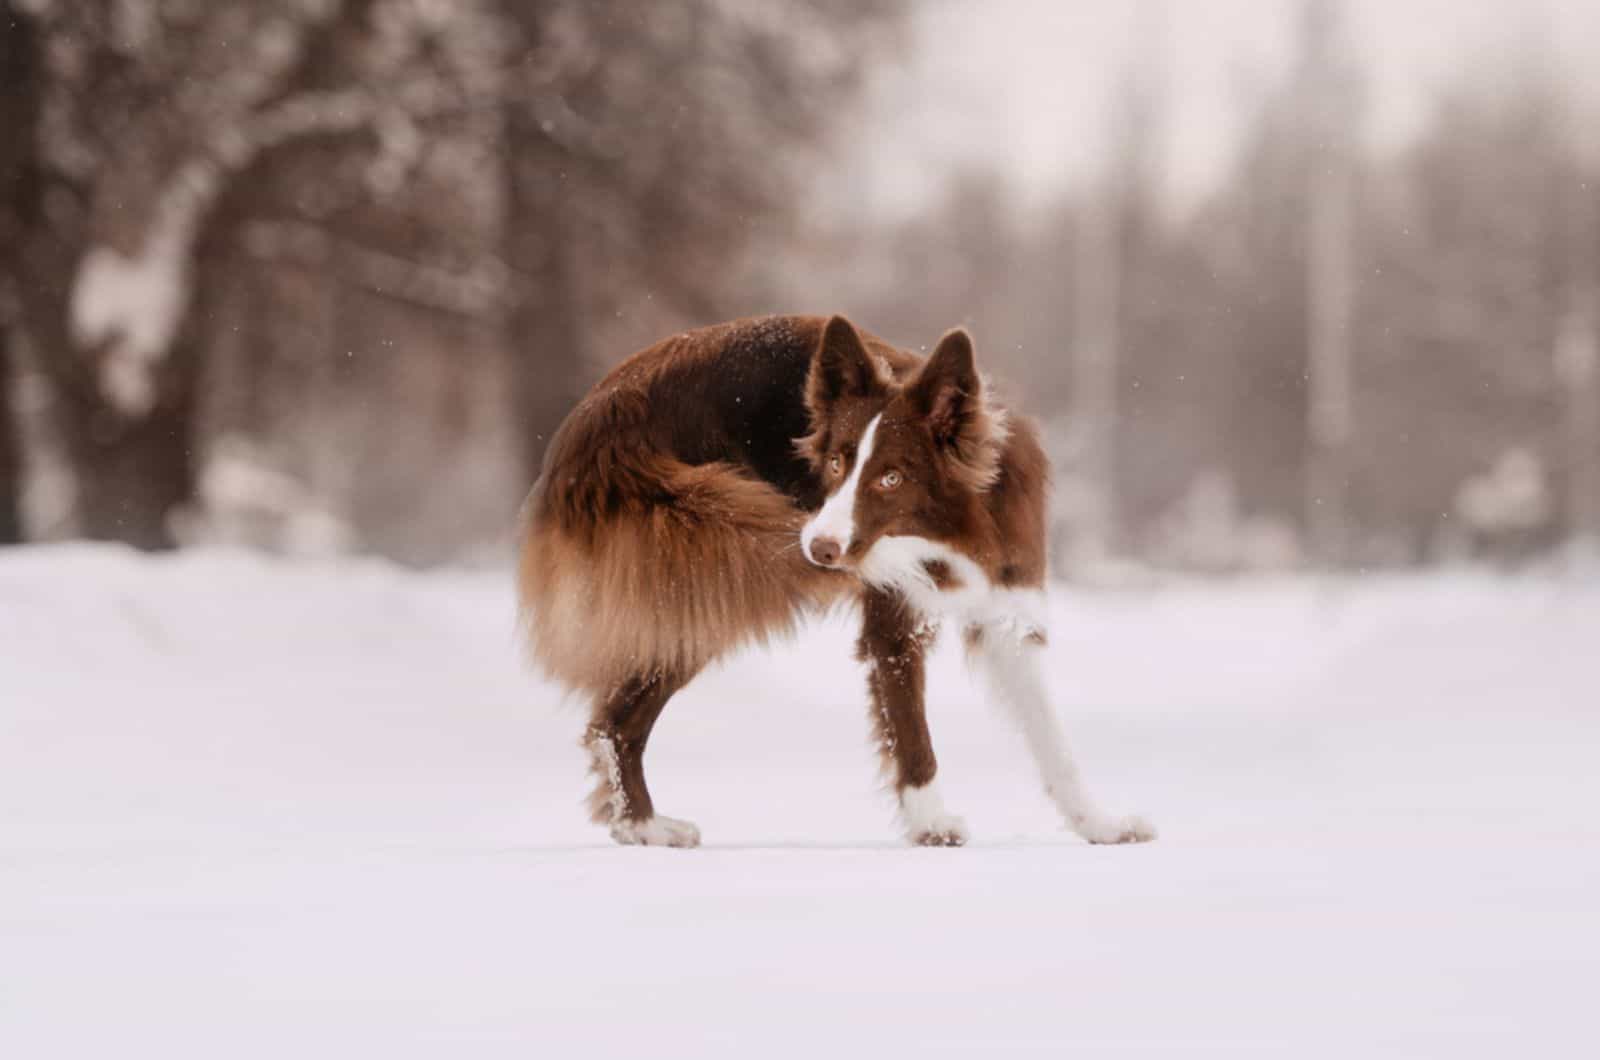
column 948, row 393
column 841, row 367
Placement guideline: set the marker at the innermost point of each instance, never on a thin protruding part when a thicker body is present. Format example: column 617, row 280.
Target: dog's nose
column 825, row 551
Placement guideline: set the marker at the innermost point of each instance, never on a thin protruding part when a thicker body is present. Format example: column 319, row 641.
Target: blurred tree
column 1328, row 86
column 147, row 111
column 1467, row 249
column 1371, row 332
column 18, row 110
column 647, row 145
column 357, row 351
column 1116, row 233
column 1275, row 241
column 1577, row 350
column 189, row 154
column 10, row 453
column 162, row 120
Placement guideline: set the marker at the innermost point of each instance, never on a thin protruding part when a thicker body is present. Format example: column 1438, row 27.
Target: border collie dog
column 718, row 485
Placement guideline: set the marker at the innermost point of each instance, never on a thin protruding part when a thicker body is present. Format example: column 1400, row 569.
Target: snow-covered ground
column 258, row 809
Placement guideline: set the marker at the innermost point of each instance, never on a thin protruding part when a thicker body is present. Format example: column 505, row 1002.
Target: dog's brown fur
column 894, row 643
column 664, row 529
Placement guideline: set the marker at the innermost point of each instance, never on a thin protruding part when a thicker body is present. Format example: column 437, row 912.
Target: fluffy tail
column 635, row 562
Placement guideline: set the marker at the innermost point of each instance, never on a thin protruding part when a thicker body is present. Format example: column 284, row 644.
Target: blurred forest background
column 322, row 276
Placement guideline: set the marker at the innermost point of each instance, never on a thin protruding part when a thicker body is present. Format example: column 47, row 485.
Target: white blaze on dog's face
column 827, row 536
column 905, row 466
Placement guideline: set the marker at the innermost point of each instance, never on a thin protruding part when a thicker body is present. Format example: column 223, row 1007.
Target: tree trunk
column 546, row 314
column 19, row 106
column 131, row 473
column 1096, row 345
column 134, row 472
column 10, row 453
column 1329, row 293
column 1329, row 285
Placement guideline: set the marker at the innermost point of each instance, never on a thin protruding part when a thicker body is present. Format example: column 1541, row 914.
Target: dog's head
column 904, row 462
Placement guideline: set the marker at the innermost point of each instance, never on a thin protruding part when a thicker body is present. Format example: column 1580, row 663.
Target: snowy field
column 258, row 809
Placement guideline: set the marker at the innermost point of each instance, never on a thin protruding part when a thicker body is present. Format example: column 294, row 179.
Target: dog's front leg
column 894, row 642
column 1010, row 657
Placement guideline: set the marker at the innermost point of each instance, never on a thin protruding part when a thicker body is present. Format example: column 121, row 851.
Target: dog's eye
column 890, row 480
column 835, row 464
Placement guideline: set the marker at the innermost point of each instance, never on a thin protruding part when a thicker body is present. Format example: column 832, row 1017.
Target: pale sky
column 1026, row 82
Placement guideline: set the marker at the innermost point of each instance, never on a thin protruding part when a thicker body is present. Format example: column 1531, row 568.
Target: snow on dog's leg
column 894, row 641
column 1010, row 660
column 616, row 740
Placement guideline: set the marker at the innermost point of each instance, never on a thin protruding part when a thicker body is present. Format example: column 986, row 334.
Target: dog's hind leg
column 894, row 641
column 1011, row 661
column 618, row 731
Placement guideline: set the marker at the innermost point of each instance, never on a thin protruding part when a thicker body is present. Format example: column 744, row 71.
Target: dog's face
column 904, row 463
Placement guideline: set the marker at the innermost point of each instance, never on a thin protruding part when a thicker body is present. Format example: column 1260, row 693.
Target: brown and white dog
column 719, row 484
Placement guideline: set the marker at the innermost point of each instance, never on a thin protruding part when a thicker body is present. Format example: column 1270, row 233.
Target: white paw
column 927, row 822
column 946, row 830
column 656, row 832
column 1130, row 829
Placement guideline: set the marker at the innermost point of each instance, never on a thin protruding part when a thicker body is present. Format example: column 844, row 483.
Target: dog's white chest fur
column 964, row 592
